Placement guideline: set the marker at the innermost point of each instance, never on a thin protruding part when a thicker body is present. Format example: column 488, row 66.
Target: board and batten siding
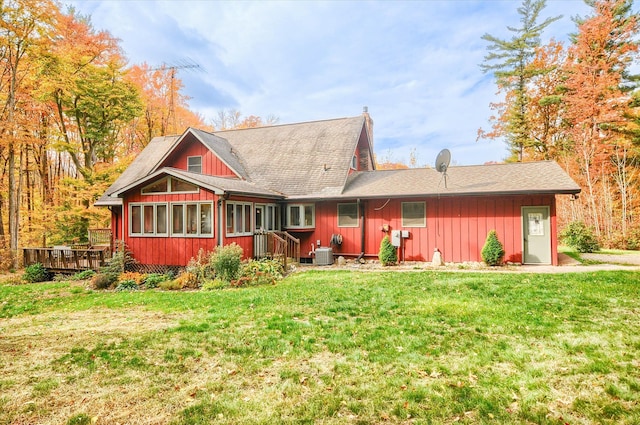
column 457, row 226
column 169, row 250
column 211, row 164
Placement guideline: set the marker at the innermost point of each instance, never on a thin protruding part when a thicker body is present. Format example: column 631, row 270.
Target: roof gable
column 216, row 145
column 298, row 159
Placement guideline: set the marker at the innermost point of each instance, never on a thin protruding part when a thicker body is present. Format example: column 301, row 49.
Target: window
column 169, row 185
column 272, row 219
column 414, row 214
column 147, row 219
column 194, row 164
column 348, row 215
column 354, row 162
column 192, row 219
column 238, row 218
column 301, row 216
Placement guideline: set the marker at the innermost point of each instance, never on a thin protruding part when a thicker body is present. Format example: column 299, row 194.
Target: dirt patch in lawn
column 37, row 390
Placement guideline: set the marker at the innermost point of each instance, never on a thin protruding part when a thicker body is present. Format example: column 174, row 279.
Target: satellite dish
column 442, row 160
column 442, row 163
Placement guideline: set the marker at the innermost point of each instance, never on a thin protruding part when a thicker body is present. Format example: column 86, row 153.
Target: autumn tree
column 166, row 109
column 510, row 61
column 228, row 119
column 23, row 30
column 595, row 103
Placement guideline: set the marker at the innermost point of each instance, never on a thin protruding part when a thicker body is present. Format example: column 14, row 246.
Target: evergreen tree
column 509, row 59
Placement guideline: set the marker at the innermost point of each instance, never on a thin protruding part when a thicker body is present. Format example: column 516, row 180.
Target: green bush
column 127, row 285
column 226, row 261
column 214, row 285
column 388, row 254
column 171, row 285
column 492, row 251
column 580, row 237
column 36, row 273
column 154, row 279
column 83, row 275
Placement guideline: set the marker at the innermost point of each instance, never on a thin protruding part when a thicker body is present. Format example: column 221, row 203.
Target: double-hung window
column 192, row 219
column 149, row 219
column 301, row 216
column 414, row 214
column 348, row 215
column 238, row 218
column 194, row 164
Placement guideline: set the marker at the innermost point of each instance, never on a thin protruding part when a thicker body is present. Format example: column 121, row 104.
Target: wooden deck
column 65, row 259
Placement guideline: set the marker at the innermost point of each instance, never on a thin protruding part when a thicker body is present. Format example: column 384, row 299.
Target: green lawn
column 327, row 347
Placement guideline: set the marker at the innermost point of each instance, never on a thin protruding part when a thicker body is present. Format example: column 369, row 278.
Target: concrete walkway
column 566, row 264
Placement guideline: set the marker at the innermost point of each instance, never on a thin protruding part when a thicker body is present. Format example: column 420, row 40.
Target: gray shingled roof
column 217, row 185
column 223, row 150
column 144, row 164
column 298, row 159
column 496, row 179
column 311, row 161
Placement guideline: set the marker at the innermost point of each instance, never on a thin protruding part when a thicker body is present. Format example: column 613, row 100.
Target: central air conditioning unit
column 324, row 256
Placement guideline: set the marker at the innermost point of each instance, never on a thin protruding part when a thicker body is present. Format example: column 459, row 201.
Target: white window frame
column 302, row 209
column 357, row 223
column 240, row 214
column 191, row 165
column 142, row 206
column 197, row 233
column 169, row 187
column 354, row 162
column 424, row 217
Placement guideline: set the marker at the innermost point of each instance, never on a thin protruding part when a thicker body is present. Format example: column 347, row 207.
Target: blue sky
column 414, row 64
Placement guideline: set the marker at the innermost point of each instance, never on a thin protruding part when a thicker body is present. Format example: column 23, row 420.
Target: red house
column 315, row 183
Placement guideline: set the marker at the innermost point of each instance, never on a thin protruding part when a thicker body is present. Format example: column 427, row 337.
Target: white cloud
column 414, row 64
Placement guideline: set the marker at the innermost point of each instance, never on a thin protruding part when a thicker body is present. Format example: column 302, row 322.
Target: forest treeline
column 73, row 114
column 577, row 103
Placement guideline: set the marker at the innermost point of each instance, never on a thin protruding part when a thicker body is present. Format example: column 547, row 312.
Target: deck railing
column 66, row 259
column 277, row 245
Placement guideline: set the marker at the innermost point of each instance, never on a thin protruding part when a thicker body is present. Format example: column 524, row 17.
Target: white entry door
column 536, row 232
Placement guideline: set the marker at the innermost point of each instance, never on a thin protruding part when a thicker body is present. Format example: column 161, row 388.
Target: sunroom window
column 148, row 219
column 192, row 219
column 238, row 218
column 169, row 185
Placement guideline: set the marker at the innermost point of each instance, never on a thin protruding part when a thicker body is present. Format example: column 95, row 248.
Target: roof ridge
column 215, row 132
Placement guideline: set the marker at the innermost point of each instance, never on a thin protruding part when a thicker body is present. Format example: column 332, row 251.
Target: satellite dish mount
column 442, row 163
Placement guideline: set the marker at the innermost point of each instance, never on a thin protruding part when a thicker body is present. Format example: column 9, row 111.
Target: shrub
column 260, row 272
column 388, row 255
column 201, row 267
column 215, row 284
column 138, row 278
column 171, row 285
column 127, row 285
column 580, row 237
column 103, row 280
column 83, row 275
column 154, row 279
column 226, row 261
column 36, row 273
column 492, row 251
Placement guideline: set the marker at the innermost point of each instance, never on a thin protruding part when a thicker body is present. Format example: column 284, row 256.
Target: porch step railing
column 277, row 245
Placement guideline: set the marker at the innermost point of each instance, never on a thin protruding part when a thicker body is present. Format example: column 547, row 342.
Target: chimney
column 368, row 122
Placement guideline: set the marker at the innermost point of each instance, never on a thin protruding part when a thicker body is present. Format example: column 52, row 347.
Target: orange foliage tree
column 595, row 104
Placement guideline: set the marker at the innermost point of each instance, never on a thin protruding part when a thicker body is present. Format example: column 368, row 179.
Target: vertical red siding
column 458, row 227
column 211, row 164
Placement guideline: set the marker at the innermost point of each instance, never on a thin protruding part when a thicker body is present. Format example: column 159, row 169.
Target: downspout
column 362, row 238
column 220, row 221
